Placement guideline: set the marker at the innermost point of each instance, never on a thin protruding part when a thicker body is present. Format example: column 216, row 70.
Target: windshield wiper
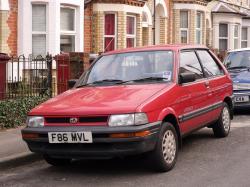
column 100, row 81
column 144, row 79
column 239, row 67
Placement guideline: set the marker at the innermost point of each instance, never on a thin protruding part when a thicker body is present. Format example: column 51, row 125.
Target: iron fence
column 29, row 76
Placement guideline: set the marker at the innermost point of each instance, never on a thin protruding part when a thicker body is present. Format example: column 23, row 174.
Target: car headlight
column 35, row 121
column 127, row 119
column 241, row 86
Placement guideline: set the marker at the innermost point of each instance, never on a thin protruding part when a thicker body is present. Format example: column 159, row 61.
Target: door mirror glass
column 187, row 77
column 71, row 83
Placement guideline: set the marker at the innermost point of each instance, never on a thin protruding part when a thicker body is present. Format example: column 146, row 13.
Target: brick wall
column 138, row 30
column 88, row 28
column 12, row 24
column 121, row 30
column 4, row 32
column 176, row 26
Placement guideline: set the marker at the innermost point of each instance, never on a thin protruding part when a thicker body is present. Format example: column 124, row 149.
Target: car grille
column 89, row 119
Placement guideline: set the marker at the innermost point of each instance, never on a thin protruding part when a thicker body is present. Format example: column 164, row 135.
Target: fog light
column 130, row 135
column 30, row 136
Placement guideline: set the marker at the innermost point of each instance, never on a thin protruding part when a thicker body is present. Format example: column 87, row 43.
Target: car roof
column 239, row 50
column 173, row 47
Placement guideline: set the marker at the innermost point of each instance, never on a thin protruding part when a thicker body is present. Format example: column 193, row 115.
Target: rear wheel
column 164, row 157
column 56, row 161
column 222, row 127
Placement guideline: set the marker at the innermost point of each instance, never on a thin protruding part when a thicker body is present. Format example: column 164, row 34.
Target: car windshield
column 147, row 66
column 240, row 59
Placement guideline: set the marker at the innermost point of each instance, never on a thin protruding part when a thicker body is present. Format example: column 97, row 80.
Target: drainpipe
column 154, row 19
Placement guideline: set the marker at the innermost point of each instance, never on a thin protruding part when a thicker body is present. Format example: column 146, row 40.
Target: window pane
column 210, row 66
column 198, row 37
column 38, row 17
column 223, row 44
column 223, row 30
column 130, row 42
column 184, row 37
column 39, row 44
column 236, row 43
column 198, row 20
column 67, row 19
column 244, row 34
column 110, row 24
column 236, row 31
column 184, row 19
column 244, row 44
column 130, row 25
column 109, row 44
column 67, row 43
column 190, row 64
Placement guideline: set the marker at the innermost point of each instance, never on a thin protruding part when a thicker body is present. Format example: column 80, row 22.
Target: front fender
column 165, row 112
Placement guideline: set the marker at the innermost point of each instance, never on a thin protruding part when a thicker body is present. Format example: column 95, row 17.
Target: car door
column 193, row 116
column 217, row 82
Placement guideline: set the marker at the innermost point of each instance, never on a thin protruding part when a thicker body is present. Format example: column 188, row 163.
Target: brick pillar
column 138, row 30
column 4, row 58
column 121, row 30
column 98, row 32
column 176, row 26
column 192, row 23
column 163, row 30
column 4, row 31
column 150, row 35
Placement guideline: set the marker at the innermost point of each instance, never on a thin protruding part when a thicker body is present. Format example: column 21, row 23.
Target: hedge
column 13, row 112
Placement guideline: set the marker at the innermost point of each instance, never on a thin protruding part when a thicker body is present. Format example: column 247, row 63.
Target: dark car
column 238, row 65
column 135, row 101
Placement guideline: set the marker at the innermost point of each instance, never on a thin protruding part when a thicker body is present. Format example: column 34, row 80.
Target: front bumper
column 103, row 145
column 241, row 104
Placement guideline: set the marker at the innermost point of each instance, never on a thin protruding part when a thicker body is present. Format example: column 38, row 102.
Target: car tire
column 56, row 161
column 221, row 128
column 164, row 156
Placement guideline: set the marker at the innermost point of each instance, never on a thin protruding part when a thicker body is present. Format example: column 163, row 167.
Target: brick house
column 41, row 26
column 120, row 24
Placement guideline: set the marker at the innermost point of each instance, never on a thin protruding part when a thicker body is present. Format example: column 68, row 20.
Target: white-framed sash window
column 236, row 36
column 68, row 28
column 131, row 31
column 110, row 32
column 39, row 29
column 223, row 36
column 244, row 37
column 184, row 21
column 199, row 28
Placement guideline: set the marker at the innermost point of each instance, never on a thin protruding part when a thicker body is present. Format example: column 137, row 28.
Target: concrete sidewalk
column 13, row 150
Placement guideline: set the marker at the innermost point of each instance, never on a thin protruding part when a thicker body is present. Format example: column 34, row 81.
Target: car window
column 189, row 63
column 211, row 68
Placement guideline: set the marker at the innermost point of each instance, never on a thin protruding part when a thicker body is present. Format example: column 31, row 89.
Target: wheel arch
column 230, row 104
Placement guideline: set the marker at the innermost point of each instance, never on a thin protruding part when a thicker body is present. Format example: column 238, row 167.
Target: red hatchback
column 135, row 101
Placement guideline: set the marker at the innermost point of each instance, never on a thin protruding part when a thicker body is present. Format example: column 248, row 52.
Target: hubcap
column 226, row 119
column 169, row 146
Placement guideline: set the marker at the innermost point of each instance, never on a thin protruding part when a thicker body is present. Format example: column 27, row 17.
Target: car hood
column 240, row 75
column 98, row 100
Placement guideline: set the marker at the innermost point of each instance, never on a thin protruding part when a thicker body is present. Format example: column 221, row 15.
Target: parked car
column 135, row 101
column 238, row 65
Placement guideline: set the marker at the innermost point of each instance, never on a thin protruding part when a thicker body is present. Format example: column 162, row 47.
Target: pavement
column 14, row 150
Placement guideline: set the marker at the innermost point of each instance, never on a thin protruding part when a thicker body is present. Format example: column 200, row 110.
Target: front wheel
column 222, row 127
column 164, row 157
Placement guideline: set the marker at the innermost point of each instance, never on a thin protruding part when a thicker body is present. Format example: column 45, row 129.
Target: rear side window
column 189, row 63
column 211, row 68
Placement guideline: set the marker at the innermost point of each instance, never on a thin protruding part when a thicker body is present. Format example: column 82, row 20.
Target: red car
column 135, row 101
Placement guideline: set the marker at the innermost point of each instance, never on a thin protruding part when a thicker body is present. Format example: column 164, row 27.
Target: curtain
column 110, row 24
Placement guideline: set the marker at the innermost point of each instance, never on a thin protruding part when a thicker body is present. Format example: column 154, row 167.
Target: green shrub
column 13, row 112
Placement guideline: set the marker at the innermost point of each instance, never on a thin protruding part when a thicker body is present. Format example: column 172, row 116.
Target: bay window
column 131, row 31
column 109, row 32
column 39, row 30
column 184, row 26
column 244, row 37
column 223, row 37
column 68, row 29
column 199, row 28
column 236, row 36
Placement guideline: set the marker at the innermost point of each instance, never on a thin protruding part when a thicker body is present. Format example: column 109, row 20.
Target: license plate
column 70, row 137
column 241, row 99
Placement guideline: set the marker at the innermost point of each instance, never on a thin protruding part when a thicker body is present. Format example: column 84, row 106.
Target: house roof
column 222, row 7
column 117, row 1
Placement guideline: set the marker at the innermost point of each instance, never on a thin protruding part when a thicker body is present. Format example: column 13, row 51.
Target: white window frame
column 110, row 36
column 199, row 29
column 40, row 32
column 185, row 29
column 131, row 35
column 224, row 38
column 236, row 37
column 242, row 38
column 69, row 33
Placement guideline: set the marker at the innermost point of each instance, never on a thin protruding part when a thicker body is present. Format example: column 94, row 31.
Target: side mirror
column 187, row 77
column 71, row 83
